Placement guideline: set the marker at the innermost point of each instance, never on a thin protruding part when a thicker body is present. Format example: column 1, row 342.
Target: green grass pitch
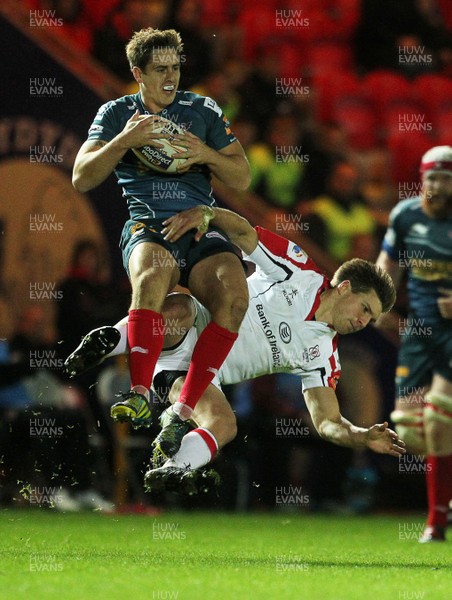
column 218, row 556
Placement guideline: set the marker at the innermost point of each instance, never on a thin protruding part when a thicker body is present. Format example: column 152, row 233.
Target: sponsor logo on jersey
column 215, row 234
column 138, row 228
column 95, row 128
column 174, row 118
column 210, row 103
column 227, row 126
column 289, row 296
column 284, row 332
column 185, row 102
column 297, row 254
column 311, row 353
column 276, row 354
column 402, row 371
column 314, row 352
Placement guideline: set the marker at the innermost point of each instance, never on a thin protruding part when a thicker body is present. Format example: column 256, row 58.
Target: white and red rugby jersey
column 279, row 333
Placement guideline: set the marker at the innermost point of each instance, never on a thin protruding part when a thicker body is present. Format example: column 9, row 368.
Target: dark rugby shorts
column 162, row 384
column 186, row 251
column 423, row 354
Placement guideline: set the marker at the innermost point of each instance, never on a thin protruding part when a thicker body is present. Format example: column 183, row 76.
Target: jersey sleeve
column 323, row 376
column 104, row 126
column 279, row 259
column 219, row 134
column 393, row 242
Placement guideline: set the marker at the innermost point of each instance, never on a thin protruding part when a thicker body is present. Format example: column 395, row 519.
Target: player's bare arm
column 389, row 265
column 238, row 229
column 97, row 159
column 332, row 426
column 229, row 164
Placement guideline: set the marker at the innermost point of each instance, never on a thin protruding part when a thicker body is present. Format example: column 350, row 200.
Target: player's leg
column 96, row 346
column 214, row 416
column 214, row 426
column 438, row 435
column 219, row 283
column 418, row 358
column 153, row 271
column 413, row 378
column 178, row 311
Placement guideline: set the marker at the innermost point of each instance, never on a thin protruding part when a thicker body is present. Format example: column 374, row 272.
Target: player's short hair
column 365, row 276
column 144, row 42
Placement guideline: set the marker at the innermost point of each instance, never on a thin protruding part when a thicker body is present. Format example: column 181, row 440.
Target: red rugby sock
column 210, row 351
column 145, row 332
column 439, row 489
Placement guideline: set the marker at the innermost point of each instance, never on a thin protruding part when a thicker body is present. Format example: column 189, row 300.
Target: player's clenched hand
column 193, row 218
column 197, row 152
column 383, row 440
column 140, row 131
column 445, row 303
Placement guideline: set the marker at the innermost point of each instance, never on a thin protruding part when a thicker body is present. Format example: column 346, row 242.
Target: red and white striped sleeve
column 278, row 258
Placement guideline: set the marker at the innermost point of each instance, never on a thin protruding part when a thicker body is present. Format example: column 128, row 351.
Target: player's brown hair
column 144, row 42
column 365, row 276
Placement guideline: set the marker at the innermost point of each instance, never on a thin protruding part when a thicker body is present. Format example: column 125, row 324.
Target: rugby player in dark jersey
column 209, row 268
column 419, row 239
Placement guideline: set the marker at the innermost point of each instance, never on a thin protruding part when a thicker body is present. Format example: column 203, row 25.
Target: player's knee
column 409, row 425
column 230, row 311
column 438, row 423
column 178, row 308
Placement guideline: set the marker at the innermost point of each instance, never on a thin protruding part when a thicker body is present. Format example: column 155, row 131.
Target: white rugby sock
column 197, row 449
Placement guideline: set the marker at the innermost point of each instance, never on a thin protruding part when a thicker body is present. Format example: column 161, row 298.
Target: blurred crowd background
column 334, row 102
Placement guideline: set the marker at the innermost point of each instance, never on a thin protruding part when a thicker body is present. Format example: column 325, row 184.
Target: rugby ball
column 163, row 159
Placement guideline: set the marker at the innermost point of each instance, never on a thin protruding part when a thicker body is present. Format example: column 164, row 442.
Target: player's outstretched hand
column 177, row 225
column 383, row 440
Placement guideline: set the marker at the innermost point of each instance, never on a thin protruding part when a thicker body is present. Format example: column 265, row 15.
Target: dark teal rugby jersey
column 424, row 246
column 158, row 195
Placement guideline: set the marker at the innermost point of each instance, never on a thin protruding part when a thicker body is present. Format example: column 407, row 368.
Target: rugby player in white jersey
column 292, row 324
